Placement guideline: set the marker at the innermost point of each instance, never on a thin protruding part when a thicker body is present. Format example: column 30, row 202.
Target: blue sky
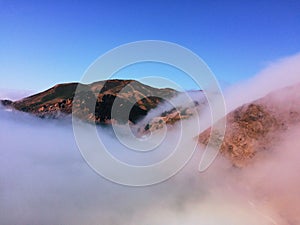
column 47, row 42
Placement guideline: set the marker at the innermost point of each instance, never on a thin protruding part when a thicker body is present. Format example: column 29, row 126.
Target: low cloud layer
column 44, row 179
column 279, row 74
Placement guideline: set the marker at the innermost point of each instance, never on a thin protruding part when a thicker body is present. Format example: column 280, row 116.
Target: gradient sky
column 47, row 42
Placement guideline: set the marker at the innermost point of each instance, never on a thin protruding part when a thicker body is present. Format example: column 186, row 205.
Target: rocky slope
column 93, row 103
column 251, row 128
column 169, row 117
column 259, row 125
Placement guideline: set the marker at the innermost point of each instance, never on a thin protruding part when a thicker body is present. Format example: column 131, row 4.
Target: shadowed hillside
column 93, row 102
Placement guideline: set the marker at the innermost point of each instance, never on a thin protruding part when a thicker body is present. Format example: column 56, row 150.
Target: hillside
column 257, row 126
column 93, row 103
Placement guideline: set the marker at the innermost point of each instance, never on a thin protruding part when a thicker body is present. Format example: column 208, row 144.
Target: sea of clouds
column 44, row 180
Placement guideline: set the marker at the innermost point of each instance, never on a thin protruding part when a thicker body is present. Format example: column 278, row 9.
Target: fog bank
column 44, row 179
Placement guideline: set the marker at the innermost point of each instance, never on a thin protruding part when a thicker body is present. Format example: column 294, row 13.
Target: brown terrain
column 170, row 117
column 257, row 126
column 250, row 129
column 93, row 102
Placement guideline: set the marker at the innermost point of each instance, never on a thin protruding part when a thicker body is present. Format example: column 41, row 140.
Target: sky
column 43, row 43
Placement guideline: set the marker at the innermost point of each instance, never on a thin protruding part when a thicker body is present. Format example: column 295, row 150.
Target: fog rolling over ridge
column 44, row 179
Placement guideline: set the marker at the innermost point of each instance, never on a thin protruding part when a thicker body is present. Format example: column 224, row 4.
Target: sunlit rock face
column 93, row 103
column 257, row 126
column 169, row 117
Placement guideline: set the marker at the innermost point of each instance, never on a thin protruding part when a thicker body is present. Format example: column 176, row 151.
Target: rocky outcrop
column 170, row 117
column 257, row 126
column 93, row 103
column 249, row 129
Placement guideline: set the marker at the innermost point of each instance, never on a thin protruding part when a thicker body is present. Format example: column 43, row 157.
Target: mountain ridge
column 59, row 99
